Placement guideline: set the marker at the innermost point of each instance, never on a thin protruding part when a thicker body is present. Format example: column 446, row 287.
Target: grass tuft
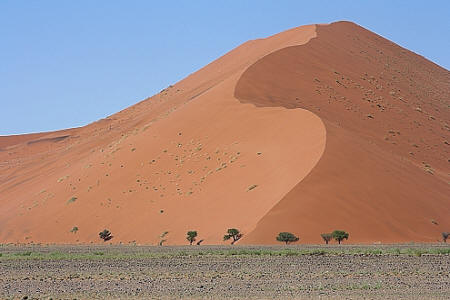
column 71, row 200
column 236, row 252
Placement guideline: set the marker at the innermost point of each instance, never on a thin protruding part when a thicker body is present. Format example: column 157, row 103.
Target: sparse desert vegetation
column 105, row 235
column 191, row 236
column 326, row 237
column 445, row 236
column 233, row 234
column 286, row 272
column 339, row 235
column 287, row 237
column 71, row 200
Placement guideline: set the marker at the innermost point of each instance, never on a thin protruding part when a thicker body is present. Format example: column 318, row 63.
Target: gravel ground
column 213, row 274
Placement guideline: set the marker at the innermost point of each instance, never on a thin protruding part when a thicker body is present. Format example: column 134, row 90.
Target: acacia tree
column 191, row 235
column 326, row 237
column 287, row 237
column 105, row 235
column 339, row 235
column 445, row 236
column 234, row 234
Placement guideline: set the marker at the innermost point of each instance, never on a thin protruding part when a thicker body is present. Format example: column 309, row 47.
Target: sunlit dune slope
column 317, row 128
column 190, row 158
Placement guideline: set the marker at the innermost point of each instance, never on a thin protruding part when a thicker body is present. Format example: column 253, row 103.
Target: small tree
column 287, row 237
column 191, row 235
column 105, row 235
column 234, row 234
column 445, row 236
column 326, row 237
column 339, row 235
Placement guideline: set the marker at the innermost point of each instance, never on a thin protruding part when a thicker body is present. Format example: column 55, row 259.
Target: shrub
column 287, row 237
column 191, row 235
column 74, row 229
column 234, row 234
column 445, row 236
column 71, row 200
column 339, row 235
column 105, row 235
column 27, row 253
column 326, row 237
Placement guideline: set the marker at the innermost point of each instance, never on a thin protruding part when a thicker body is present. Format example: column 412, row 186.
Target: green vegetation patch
column 71, row 200
column 60, row 255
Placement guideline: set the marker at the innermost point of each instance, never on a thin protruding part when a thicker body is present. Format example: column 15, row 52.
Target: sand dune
column 384, row 175
column 317, row 128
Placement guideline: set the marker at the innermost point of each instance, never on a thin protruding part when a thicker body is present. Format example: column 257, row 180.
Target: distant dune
column 317, row 128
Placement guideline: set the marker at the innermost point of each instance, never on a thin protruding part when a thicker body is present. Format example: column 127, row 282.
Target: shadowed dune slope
column 317, row 128
column 384, row 175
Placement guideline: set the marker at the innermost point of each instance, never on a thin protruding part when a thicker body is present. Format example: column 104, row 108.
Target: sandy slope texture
column 241, row 143
column 384, row 176
column 190, row 158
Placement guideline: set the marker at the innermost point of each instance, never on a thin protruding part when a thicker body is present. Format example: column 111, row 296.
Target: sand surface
column 317, row 128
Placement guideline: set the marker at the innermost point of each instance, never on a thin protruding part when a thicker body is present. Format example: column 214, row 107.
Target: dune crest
column 385, row 171
column 317, row 128
column 190, row 158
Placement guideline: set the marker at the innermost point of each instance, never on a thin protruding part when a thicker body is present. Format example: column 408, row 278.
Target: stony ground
column 349, row 272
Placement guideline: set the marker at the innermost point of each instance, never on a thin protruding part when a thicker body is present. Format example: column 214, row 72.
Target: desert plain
column 407, row 271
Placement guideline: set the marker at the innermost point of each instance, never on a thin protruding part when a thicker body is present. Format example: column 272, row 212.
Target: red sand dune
column 317, row 128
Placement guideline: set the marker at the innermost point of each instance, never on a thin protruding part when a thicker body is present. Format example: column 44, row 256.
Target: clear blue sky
column 68, row 63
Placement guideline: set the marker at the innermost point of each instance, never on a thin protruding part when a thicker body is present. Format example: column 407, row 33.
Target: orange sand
column 317, row 128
